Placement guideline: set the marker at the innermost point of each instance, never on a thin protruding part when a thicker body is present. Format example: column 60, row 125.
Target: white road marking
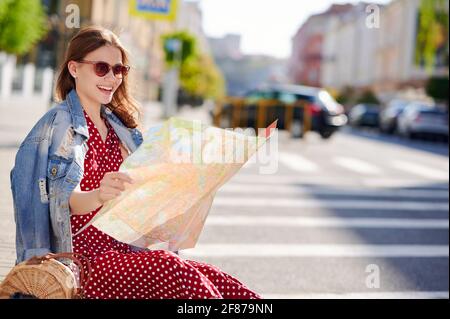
column 247, row 201
column 336, row 181
column 357, row 165
column 288, row 221
column 297, row 163
column 399, row 183
column 299, row 250
column 254, row 188
column 277, row 179
column 364, row 295
column 420, row 170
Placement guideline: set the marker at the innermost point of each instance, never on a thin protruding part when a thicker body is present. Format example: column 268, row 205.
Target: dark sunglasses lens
column 120, row 69
column 101, row 69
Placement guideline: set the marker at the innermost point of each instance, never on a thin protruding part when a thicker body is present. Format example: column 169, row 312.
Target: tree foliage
column 368, row 97
column 188, row 46
column 22, row 24
column 432, row 34
column 199, row 75
column 437, row 88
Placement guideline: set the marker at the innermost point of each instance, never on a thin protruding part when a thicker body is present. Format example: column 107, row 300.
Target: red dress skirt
column 120, row 273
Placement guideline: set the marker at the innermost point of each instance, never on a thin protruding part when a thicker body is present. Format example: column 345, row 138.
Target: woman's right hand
column 112, row 185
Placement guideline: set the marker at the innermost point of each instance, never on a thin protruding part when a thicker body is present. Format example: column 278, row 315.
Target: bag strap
column 75, row 257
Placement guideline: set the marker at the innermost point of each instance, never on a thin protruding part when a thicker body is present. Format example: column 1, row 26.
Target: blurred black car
column 389, row 116
column 364, row 115
column 327, row 116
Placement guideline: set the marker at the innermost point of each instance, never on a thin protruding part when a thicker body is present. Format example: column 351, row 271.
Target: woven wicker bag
column 45, row 278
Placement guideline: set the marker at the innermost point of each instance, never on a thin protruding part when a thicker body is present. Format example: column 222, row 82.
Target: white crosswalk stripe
column 364, row 295
column 318, row 250
column 323, row 179
column 357, row 165
column 297, row 163
column 420, row 170
column 290, row 189
column 289, row 221
column 247, row 201
column 400, row 182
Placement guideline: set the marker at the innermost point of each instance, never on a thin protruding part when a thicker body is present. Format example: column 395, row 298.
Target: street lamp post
column 171, row 79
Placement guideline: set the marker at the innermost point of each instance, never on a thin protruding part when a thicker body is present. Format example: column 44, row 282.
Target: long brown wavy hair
column 89, row 39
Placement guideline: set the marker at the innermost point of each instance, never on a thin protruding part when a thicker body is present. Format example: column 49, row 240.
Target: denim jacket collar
column 132, row 138
column 76, row 111
column 78, row 119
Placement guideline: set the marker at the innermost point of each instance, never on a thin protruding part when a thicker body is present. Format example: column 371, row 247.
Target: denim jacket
column 48, row 166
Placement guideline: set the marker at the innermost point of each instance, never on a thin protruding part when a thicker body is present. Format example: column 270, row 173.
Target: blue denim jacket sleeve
column 29, row 190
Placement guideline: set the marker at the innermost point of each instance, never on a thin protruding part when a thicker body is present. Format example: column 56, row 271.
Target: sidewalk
column 16, row 119
column 17, row 116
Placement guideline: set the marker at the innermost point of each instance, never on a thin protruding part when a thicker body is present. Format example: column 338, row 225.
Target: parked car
column 366, row 115
column 389, row 116
column 327, row 116
column 419, row 119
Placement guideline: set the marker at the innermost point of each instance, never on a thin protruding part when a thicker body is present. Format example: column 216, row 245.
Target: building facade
column 348, row 51
column 308, row 56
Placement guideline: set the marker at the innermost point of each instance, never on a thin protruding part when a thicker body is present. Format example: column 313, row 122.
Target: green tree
column 368, row 97
column 188, row 46
column 437, row 88
column 432, row 32
column 199, row 75
column 22, row 24
column 346, row 96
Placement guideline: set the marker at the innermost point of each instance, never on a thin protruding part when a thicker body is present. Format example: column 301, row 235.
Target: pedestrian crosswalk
column 302, row 164
column 399, row 216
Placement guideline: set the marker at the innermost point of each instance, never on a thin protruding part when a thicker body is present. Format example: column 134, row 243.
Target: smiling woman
column 91, row 56
column 76, row 149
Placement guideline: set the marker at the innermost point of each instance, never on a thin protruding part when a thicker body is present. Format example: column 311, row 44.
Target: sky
column 266, row 26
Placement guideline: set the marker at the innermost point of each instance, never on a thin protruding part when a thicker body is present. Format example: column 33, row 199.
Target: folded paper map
column 177, row 170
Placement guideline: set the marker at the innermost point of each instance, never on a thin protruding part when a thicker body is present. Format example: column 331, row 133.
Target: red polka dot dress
column 120, row 273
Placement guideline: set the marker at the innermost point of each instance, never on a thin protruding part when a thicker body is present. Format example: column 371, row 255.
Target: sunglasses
column 102, row 68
